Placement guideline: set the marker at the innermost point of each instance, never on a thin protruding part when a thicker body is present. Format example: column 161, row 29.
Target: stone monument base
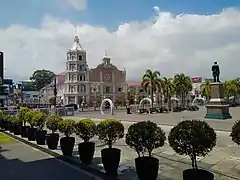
column 218, row 107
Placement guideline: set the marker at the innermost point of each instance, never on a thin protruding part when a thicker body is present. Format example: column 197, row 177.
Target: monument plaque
column 217, row 107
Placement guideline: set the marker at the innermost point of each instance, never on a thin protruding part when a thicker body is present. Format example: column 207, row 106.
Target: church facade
column 79, row 84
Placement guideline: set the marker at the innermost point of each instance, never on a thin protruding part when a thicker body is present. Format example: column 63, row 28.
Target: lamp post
column 55, row 94
column 126, row 96
column 95, row 90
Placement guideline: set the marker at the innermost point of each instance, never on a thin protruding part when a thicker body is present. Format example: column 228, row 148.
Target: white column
column 76, row 99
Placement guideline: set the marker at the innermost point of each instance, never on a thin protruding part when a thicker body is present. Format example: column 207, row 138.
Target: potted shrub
column 16, row 125
column 235, row 134
column 40, row 119
column 10, row 123
column 32, row 130
column 52, row 139
column 1, row 119
column 144, row 137
column 67, row 143
column 7, row 122
column 109, row 131
column 86, row 130
column 193, row 138
column 21, row 116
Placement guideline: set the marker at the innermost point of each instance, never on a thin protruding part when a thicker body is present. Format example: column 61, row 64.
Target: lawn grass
column 4, row 139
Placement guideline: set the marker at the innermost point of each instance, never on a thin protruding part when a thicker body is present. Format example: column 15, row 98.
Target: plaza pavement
column 21, row 162
column 171, row 118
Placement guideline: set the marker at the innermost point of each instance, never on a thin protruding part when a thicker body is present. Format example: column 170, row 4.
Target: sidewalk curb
column 65, row 159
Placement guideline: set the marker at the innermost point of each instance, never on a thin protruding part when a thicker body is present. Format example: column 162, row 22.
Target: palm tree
column 206, row 89
column 169, row 89
column 183, row 85
column 151, row 80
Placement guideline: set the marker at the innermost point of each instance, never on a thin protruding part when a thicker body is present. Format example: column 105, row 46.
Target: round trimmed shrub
column 39, row 118
column 145, row 136
column 85, row 129
column 22, row 113
column 52, row 122
column 29, row 118
column 193, row 138
column 66, row 127
column 109, row 131
column 235, row 134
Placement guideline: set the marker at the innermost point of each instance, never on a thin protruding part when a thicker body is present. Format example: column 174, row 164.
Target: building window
column 119, row 89
column 80, row 57
column 72, row 89
column 107, row 90
column 84, row 78
column 80, row 68
column 81, row 78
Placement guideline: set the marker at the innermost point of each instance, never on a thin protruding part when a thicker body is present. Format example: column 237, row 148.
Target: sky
column 171, row 36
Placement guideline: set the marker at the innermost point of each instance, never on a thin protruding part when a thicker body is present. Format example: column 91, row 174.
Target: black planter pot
column 52, row 140
column 17, row 129
column 31, row 134
column 41, row 137
column 86, row 152
column 6, row 125
column 11, row 127
column 24, row 132
column 67, row 145
column 197, row 174
column 1, row 122
column 110, row 160
column 147, row 168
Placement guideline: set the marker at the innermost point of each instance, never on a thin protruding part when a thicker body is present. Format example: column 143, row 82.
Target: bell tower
column 76, row 74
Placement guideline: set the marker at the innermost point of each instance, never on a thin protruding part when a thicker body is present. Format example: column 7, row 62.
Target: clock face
column 107, row 77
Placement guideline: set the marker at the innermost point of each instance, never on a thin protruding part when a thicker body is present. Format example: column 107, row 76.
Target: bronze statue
column 215, row 72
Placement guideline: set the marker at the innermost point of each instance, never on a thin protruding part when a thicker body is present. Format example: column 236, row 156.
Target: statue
column 215, row 72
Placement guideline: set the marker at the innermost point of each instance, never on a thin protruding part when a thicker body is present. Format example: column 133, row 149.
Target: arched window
column 80, row 57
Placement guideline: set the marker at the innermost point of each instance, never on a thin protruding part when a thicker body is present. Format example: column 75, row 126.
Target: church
column 79, row 84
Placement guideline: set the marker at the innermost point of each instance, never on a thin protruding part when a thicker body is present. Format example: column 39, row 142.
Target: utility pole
column 55, row 94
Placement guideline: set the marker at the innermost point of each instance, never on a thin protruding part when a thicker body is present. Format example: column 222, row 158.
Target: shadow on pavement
column 44, row 169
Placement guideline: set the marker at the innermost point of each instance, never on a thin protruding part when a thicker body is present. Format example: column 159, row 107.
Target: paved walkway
column 21, row 162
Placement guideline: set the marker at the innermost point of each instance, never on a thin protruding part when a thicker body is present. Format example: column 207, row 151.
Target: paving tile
column 224, row 166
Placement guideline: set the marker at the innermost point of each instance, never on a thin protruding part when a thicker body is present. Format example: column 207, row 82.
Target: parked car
column 72, row 105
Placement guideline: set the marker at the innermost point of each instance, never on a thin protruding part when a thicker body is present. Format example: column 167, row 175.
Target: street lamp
column 55, row 94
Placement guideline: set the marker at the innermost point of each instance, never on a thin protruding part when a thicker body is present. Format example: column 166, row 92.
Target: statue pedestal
column 217, row 107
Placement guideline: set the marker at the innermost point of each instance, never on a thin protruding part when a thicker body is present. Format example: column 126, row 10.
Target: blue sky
column 108, row 13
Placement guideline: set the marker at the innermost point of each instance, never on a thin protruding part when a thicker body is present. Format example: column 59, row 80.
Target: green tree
column 169, row 90
column 42, row 78
column 206, row 89
column 183, row 85
column 151, row 80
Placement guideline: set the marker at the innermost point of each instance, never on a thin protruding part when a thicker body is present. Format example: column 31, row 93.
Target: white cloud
column 77, row 4
column 187, row 43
